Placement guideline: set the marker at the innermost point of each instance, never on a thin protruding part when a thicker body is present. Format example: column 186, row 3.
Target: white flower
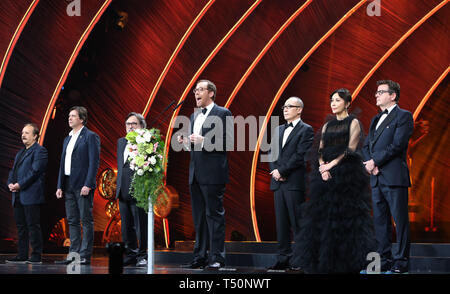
column 140, row 139
column 152, row 160
column 147, row 136
column 140, row 172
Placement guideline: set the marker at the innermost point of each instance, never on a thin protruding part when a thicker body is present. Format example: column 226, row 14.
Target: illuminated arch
column 15, row 38
column 69, row 65
column 264, row 51
column 429, row 93
column 174, row 55
column 395, row 46
column 200, row 70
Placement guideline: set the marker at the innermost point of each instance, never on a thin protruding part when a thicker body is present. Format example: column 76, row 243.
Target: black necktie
column 204, row 110
column 287, row 125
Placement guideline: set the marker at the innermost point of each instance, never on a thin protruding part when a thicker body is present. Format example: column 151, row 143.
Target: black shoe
column 64, row 261
column 129, row 261
column 142, row 263
column 35, row 260
column 216, row 265
column 85, row 261
column 398, row 270
column 386, row 266
column 278, row 266
column 17, row 260
column 296, row 269
column 194, row 265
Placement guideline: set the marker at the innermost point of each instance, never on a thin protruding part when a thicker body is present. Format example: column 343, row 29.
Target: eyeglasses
column 200, row 89
column 381, row 92
column 289, row 107
column 129, row 124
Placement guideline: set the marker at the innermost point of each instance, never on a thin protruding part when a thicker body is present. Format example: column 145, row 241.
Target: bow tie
column 287, row 125
column 384, row 112
column 204, row 110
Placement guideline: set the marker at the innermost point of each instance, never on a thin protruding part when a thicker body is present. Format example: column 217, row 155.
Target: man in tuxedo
column 77, row 181
column 288, row 170
column 26, row 182
column 209, row 141
column 384, row 155
column 133, row 218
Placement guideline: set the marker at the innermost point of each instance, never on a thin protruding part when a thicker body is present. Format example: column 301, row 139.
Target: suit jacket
column 388, row 145
column 290, row 161
column 85, row 160
column 209, row 162
column 124, row 173
column 30, row 172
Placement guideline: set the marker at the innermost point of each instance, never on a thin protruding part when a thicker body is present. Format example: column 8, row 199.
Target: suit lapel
column 80, row 137
column 211, row 115
column 27, row 153
column 20, row 157
column 280, row 143
column 292, row 134
column 383, row 125
column 121, row 151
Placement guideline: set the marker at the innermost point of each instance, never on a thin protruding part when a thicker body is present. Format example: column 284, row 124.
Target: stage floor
column 99, row 265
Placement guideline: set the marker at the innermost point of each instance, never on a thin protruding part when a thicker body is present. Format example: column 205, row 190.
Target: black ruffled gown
column 336, row 228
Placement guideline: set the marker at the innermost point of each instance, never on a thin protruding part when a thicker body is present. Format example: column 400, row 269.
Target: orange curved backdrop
column 257, row 52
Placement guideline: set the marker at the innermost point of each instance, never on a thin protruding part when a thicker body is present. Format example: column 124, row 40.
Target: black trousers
column 209, row 221
column 134, row 229
column 287, row 216
column 28, row 218
column 391, row 202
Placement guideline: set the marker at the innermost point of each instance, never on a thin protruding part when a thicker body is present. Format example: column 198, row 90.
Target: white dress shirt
column 126, row 152
column 384, row 115
column 200, row 119
column 69, row 150
column 288, row 131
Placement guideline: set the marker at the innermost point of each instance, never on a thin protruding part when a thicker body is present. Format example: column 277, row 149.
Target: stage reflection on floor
column 99, row 265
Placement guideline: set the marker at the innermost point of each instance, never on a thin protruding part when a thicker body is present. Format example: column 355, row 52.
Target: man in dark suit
column 133, row 218
column 77, row 180
column 288, row 168
column 211, row 137
column 26, row 182
column 384, row 154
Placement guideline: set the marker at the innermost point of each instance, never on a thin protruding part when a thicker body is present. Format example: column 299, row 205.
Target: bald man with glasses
column 288, row 171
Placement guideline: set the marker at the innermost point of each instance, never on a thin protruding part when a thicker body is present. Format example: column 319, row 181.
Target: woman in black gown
column 336, row 229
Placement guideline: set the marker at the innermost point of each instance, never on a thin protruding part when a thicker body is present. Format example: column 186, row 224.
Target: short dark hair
column 211, row 87
column 35, row 129
column 344, row 94
column 394, row 87
column 82, row 113
column 139, row 117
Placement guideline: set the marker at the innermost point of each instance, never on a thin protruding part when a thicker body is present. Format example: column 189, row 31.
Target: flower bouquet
column 146, row 150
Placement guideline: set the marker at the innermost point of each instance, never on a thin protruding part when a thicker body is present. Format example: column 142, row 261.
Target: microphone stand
column 150, row 217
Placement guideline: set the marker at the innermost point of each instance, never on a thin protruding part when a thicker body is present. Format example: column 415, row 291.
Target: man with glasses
column 288, row 170
column 211, row 136
column 384, row 153
column 133, row 219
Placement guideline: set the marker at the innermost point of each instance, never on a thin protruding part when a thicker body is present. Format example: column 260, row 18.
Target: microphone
column 164, row 110
column 179, row 104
